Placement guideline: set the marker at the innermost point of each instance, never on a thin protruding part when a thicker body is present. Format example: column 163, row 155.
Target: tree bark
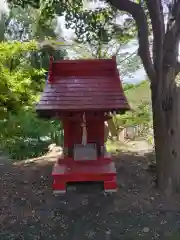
column 166, row 118
column 162, row 71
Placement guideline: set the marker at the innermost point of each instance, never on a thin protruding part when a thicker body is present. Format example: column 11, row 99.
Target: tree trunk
column 166, row 118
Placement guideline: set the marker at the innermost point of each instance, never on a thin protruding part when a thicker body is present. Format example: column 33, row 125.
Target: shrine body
column 83, row 94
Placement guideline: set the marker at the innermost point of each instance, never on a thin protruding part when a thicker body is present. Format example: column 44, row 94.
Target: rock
column 108, row 235
column 51, row 146
column 146, row 229
column 54, row 148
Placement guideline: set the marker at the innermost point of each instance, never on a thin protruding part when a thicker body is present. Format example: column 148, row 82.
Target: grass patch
column 138, row 94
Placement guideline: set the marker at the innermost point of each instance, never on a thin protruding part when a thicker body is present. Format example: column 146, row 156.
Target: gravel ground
column 138, row 211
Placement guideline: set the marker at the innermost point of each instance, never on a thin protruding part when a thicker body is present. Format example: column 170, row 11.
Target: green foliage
column 142, row 115
column 20, row 79
column 127, row 86
column 40, row 58
column 97, row 28
column 23, row 64
column 23, row 3
column 27, row 24
column 24, row 135
column 94, row 27
column 17, row 84
column 128, row 64
column 139, row 93
column 91, row 24
column 20, row 83
column 138, row 96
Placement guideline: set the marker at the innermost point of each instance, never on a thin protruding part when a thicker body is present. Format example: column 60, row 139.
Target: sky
column 3, row 7
column 138, row 76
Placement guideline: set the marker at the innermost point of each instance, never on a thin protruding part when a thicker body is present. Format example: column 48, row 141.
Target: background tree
column 23, row 64
column 26, row 24
column 162, row 69
column 22, row 134
column 101, row 31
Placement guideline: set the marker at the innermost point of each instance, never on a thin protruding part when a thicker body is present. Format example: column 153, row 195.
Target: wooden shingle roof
column 83, row 85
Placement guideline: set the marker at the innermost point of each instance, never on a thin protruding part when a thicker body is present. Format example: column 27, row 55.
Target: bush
column 24, row 135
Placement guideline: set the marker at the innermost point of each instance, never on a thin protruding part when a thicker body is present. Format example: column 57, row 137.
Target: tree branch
column 129, row 56
column 157, row 21
column 139, row 16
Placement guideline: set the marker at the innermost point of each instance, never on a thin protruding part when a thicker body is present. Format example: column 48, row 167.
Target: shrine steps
column 67, row 171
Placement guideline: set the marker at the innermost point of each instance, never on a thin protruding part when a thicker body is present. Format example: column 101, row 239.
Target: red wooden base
column 67, row 171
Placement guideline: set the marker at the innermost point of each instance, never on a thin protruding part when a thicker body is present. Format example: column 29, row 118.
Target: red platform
column 67, row 171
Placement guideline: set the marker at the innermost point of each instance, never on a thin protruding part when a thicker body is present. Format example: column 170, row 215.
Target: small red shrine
column 82, row 93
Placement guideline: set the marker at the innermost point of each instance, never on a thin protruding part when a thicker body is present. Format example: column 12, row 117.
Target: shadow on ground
column 138, row 211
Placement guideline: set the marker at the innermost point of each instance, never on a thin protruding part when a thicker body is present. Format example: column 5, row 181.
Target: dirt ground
column 29, row 211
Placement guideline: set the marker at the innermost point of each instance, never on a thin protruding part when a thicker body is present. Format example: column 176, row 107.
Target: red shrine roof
column 83, row 85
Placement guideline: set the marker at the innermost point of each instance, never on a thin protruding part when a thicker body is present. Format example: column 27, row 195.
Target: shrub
column 24, row 135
